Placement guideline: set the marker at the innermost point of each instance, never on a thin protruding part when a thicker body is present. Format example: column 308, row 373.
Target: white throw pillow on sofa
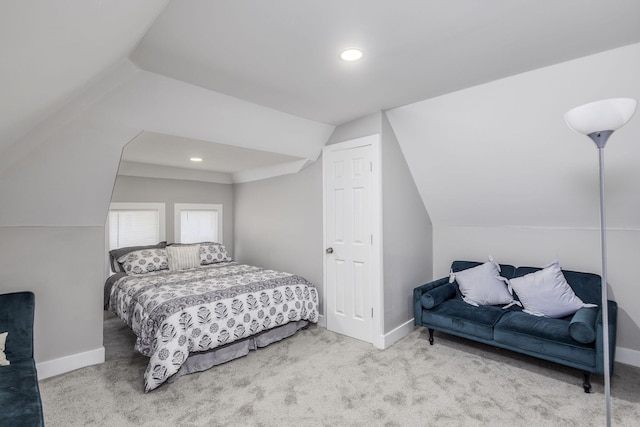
column 483, row 285
column 547, row 293
column 3, row 357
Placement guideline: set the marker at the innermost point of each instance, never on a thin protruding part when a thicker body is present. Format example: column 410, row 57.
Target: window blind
column 133, row 228
column 198, row 226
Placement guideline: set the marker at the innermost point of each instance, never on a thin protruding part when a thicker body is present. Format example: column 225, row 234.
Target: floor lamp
column 598, row 120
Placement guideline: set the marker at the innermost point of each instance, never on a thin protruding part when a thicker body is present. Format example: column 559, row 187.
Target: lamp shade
column 605, row 115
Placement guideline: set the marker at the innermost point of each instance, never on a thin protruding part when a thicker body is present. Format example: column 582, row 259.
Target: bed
column 192, row 307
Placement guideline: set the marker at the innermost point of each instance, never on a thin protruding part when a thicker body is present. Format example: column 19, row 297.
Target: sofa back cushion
column 587, row 286
column 506, row 270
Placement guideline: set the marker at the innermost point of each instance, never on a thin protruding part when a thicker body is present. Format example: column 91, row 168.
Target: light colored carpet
column 318, row 378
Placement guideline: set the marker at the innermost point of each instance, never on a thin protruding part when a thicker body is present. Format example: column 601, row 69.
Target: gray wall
column 63, row 267
column 171, row 191
column 407, row 233
column 278, row 223
column 501, row 174
column 364, row 126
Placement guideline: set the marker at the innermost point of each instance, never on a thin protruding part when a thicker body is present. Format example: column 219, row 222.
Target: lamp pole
column 598, row 120
column 600, row 142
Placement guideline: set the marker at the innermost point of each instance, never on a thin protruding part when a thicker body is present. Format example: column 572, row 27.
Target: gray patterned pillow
column 213, row 253
column 144, row 261
column 116, row 254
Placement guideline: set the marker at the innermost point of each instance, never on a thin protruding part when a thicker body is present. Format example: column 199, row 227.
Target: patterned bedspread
column 177, row 313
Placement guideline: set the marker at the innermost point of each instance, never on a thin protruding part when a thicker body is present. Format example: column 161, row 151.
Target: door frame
column 377, row 296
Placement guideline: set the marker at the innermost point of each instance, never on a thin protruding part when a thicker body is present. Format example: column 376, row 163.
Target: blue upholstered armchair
column 20, row 403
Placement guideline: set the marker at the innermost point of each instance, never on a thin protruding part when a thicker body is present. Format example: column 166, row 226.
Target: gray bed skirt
column 201, row 361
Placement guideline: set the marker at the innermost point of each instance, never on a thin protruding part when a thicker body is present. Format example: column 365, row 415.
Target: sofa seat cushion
column 542, row 335
column 20, row 395
column 457, row 315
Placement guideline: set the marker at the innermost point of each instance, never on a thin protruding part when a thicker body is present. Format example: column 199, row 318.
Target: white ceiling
column 175, row 151
column 53, row 50
column 283, row 54
column 86, row 76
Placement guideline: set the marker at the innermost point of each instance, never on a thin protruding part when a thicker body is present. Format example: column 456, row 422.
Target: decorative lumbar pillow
column 3, row 357
column 211, row 253
column 582, row 327
column 144, row 261
column 483, row 285
column 183, row 257
column 547, row 293
column 437, row 295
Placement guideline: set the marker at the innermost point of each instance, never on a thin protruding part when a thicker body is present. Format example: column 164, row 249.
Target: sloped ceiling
column 53, row 50
column 284, row 53
column 167, row 150
column 501, row 154
column 82, row 78
column 74, row 155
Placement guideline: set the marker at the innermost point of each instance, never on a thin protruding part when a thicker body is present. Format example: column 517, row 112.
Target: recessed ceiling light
column 196, row 159
column 351, row 54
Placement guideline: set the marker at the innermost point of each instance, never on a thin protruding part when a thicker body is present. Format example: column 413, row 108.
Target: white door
column 349, row 215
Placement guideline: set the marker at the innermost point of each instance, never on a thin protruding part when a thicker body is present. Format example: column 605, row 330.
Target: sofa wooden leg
column 430, row 336
column 586, row 384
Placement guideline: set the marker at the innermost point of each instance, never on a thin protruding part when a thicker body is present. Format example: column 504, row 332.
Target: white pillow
column 547, row 293
column 183, row 257
column 483, row 285
column 3, row 357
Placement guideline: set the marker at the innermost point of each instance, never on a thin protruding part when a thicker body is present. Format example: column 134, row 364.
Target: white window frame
column 179, row 207
column 130, row 206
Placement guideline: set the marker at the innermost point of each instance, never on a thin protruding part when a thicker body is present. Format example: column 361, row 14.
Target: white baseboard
column 51, row 368
column 627, row 356
column 387, row 340
column 322, row 321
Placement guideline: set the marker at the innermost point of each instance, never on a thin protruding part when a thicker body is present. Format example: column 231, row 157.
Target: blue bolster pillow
column 582, row 327
column 436, row 295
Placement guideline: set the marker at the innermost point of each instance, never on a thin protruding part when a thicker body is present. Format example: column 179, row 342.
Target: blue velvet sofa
column 438, row 305
column 20, row 403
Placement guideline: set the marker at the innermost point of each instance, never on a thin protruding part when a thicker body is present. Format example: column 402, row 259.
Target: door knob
column 329, row 250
